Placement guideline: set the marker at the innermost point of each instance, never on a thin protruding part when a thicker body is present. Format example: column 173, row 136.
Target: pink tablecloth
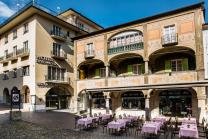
column 192, row 131
column 117, row 124
column 105, row 116
column 189, row 121
column 85, row 121
column 151, row 127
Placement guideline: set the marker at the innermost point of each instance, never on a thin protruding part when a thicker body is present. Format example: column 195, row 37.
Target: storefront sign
column 45, row 85
column 46, row 61
column 15, row 97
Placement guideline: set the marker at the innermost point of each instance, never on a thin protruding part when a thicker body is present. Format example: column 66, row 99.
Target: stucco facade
column 151, row 53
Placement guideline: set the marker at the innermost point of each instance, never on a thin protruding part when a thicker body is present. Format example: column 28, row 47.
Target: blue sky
column 104, row 12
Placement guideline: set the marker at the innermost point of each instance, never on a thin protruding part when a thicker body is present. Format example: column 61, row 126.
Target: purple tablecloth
column 192, row 131
column 151, row 127
column 160, row 119
column 105, row 116
column 117, row 125
column 85, row 121
column 189, row 121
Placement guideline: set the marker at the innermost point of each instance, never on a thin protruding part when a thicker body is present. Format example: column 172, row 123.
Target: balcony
column 90, row 83
column 122, row 81
column 23, row 52
column 125, row 48
column 170, row 39
column 57, row 80
column 172, row 77
column 89, row 54
column 8, row 57
column 61, row 56
column 60, row 36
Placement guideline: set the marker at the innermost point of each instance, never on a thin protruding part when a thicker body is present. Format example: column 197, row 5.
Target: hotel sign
column 46, row 61
column 45, row 85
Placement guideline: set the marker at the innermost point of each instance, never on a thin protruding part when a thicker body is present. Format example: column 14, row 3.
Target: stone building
column 150, row 66
column 36, row 56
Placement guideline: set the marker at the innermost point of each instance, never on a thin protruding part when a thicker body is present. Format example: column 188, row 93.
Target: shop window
column 98, row 101
column 133, row 100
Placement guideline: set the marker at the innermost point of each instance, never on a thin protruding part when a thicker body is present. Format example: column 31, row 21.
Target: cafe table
column 151, row 127
column 189, row 121
column 118, row 124
column 188, row 130
column 160, row 119
column 105, row 116
column 85, row 121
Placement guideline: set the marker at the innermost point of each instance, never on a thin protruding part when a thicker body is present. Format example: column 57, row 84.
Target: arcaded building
column 36, row 56
column 151, row 66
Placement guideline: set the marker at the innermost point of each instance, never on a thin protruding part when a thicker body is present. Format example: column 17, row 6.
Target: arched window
column 125, row 38
column 133, row 100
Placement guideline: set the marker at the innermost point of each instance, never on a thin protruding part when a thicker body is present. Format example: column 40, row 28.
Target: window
column 133, row 100
column 169, row 34
column 98, row 101
column 6, row 75
column 68, row 34
column 25, row 46
column 137, row 69
column 25, row 28
column 102, row 72
column 56, row 30
column 55, row 73
column 6, row 39
column 26, row 71
column 56, row 49
column 14, row 34
column 81, row 25
column 6, row 53
column 176, row 65
column 89, row 49
column 14, row 73
column 14, row 50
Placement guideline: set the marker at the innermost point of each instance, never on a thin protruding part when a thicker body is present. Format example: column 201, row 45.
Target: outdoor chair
column 75, row 121
column 138, row 130
column 120, row 116
column 164, row 130
column 95, row 115
column 124, row 130
column 104, row 124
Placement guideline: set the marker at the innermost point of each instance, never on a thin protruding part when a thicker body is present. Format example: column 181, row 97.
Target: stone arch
column 6, row 96
column 58, row 97
column 25, row 92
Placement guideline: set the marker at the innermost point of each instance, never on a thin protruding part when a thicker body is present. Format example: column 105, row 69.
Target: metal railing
column 23, row 51
column 58, row 34
column 61, row 54
column 129, row 47
column 169, row 39
column 89, row 54
column 56, row 79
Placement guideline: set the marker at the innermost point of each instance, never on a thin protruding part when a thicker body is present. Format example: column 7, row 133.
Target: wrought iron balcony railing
column 61, row 55
column 170, row 39
column 57, row 79
column 58, row 35
column 89, row 54
column 128, row 47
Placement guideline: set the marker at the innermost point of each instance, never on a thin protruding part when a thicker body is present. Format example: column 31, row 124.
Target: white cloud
column 5, row 11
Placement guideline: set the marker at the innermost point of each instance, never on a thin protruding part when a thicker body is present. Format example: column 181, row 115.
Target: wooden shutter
column 97, row 73
column 82, row 75
column 167, row 66
column 143, row 68
column 129, row 69
column 185, row 64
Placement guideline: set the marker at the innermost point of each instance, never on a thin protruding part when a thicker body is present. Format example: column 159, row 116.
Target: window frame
column 177, row 65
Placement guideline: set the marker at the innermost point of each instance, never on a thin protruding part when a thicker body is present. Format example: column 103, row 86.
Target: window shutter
column 167, row 66
column 143, row 68
column 97, row 73
column 129, row 69
column 82, row 74
column 185, row 64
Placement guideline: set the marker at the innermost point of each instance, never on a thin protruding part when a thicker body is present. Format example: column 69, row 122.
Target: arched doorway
column 25, row 93
column 6, row 96
column 57, row 97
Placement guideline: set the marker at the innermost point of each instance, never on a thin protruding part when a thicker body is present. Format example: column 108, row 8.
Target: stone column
column 107, row 101
column 147, row 107
column 201, row 107
column 107, row 71
column 90, row 101
column 146, row 67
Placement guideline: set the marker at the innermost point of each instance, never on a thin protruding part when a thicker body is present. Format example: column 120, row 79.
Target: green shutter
column 97, row 73
column 185, row 64
column 129, row 69
column 167, row 66
column 143, row 68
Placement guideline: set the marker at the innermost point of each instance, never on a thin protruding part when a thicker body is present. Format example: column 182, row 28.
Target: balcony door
column 169, row 32
column 89, row 49
column 56, row 49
